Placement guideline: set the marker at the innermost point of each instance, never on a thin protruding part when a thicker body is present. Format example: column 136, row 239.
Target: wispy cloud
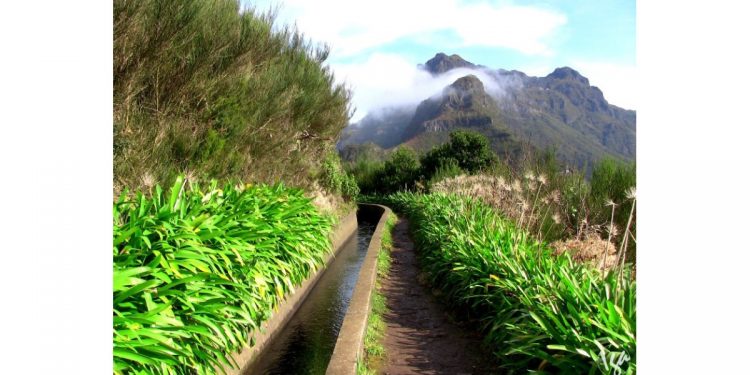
column 352, row 27
column 386, row 80
column 371, row 43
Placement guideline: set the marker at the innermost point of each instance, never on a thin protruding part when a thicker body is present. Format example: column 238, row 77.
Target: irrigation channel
column 306, row 343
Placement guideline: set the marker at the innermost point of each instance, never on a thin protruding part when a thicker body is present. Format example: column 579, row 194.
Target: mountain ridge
column 561, row 111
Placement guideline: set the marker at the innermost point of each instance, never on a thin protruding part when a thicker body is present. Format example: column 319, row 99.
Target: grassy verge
column 538, row 311
column 374, row 352
column 197, row 269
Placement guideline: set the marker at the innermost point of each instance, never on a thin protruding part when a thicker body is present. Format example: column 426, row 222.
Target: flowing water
column 305, row 345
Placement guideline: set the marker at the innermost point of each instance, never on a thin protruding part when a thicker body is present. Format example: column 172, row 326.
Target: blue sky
column 376, row 45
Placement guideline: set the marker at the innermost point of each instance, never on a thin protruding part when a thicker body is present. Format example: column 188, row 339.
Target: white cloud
column 351, row 27
column 618, row 82
column 388, row 80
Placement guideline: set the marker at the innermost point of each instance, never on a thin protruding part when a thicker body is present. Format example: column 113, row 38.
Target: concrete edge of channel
column 350, row 342
column 269, row 329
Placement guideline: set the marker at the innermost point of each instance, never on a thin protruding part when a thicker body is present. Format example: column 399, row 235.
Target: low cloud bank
column 385, row 81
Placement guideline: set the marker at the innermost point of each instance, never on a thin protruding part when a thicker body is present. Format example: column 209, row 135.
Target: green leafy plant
column 538, row 311
column 196, row 270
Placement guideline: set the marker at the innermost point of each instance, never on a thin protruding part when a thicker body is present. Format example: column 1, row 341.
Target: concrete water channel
column 305, row 343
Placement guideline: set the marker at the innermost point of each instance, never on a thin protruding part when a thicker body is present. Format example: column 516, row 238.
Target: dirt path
column 419, row 337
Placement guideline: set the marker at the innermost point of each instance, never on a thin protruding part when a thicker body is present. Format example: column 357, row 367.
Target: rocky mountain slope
column 561, row 111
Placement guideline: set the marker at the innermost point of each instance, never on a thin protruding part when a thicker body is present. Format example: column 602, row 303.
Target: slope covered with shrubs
column 198, row 268
column 208, row 89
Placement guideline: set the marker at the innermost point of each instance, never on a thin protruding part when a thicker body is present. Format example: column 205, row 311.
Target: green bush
column 469, row 150
column 365, row 173
column 538, row 311
column 400, row 172
column 465, row 152
column 336, row 180
column 197, row 270
column 446, row 170
column 349, row 187
column 611, row 180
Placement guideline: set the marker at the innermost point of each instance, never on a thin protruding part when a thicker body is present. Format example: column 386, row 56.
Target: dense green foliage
column 400, row 171
column 566, row 205
column 537, row 311
column 469, row 150
column 404, row 170
column 366, row 174
column 204, row 87
column 366, row 151
column 611, row 181
column 336, row 180
column 446, row 170
column 196, row 270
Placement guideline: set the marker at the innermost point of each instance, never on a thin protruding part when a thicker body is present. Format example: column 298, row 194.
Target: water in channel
column 306, row 343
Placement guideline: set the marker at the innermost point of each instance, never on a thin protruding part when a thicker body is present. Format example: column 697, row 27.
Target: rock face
column 561, row 111
column 462, row 104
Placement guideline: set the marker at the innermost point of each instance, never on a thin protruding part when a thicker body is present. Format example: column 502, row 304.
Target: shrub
column 446, row 170
column 336, row 180
column 610, row 181
column 399, row 172
column 469, row 150
column 582, row 206
column 349, row 187
column 366, row 173
column 209, row 88
column 528, row 202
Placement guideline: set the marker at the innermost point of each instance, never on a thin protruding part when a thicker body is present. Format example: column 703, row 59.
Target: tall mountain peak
column 442, row 63
column 569, row 74
column 560, row 110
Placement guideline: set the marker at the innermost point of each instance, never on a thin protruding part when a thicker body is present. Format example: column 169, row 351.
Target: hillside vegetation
column 551, row 202
column 540, row 256
column 205, row 89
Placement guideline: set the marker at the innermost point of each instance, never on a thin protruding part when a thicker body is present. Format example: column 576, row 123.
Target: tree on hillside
column 400, row 171
column 470, row 150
